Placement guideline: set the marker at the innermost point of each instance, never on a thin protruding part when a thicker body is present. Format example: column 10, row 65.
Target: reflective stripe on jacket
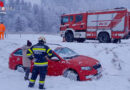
column 41, row 64
column 39, row 53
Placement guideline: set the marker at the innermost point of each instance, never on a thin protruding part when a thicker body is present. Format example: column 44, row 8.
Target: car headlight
column 86, row 68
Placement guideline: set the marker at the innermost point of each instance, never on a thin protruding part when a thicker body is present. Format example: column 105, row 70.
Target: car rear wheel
column 72, row 75
column 20, row 68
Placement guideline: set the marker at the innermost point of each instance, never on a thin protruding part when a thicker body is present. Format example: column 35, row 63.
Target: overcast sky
column 34, row 1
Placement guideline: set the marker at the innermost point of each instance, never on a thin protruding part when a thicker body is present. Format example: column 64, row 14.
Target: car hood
column 83, row 61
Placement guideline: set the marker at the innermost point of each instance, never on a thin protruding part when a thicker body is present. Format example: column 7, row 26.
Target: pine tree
column 35, row 9
column 19, row 25
column 17, row 5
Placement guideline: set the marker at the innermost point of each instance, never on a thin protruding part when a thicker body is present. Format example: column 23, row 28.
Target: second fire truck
column 105, row 26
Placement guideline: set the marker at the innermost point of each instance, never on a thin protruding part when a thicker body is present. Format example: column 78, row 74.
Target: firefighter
column 40, row 52
column 63, row 39
column 26, row 61
column 2, row 30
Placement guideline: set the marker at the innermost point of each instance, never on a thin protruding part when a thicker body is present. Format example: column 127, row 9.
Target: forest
column 27, row 16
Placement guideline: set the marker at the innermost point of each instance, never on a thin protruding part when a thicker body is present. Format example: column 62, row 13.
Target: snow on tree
column 45, row 16
column 19, row 25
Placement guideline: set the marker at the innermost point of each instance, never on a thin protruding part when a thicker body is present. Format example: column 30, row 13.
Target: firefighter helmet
column 42, row 39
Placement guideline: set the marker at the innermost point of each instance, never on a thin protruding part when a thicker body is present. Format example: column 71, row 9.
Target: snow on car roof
column 53, row 46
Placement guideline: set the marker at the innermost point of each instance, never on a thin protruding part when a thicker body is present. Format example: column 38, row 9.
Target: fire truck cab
column 106, row 25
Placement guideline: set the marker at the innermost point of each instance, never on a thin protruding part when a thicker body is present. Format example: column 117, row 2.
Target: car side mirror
column 55, row 59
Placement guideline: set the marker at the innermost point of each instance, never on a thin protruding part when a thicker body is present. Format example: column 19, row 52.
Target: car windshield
column 66, row 53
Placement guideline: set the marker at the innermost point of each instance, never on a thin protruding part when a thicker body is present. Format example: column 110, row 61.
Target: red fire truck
column 105, row 26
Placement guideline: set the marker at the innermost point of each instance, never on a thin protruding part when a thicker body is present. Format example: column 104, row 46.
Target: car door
column 56, row 66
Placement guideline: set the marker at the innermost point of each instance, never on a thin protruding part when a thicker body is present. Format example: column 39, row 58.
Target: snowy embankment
column 115, row 59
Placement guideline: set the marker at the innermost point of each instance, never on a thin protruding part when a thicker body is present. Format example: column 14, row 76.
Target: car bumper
column 10, row 65
column 90, row 75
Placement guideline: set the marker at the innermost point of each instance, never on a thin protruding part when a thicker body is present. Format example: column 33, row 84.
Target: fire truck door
column 92, row 26
column 65, row 22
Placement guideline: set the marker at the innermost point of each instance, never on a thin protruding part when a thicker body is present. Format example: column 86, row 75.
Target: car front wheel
column 72, row 75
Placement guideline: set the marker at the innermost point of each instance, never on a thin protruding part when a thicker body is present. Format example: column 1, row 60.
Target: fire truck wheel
column 104, row 38
column 80, row 39
column 116, row 40
column 69, row 37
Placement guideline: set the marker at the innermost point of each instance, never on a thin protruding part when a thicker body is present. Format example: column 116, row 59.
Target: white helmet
column 42, row 39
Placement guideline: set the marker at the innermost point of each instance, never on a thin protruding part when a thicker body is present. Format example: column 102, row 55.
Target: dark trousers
column 41, row 70
column 27, row 71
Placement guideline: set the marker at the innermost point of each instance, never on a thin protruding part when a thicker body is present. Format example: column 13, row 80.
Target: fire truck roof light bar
column 115, row 9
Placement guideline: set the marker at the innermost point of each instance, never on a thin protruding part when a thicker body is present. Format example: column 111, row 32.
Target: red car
column 65, row 62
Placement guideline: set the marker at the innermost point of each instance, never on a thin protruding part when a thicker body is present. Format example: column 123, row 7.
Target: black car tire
column 20, row 68
column 72, row 75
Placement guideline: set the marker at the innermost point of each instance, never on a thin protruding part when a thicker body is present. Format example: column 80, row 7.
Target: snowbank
column 115, row 59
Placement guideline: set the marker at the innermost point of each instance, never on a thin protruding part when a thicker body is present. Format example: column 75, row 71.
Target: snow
column 113, row 57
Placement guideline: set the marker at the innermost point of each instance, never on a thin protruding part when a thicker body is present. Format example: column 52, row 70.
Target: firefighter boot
column 63, row 39
column 31, row 85
column 26, row 78
column 41, row 87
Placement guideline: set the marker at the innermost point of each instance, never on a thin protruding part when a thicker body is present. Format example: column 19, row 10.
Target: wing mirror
column 55, row 59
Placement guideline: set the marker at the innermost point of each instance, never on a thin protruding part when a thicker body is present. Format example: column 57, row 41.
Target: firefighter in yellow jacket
column 2, row 30
column 40, row 53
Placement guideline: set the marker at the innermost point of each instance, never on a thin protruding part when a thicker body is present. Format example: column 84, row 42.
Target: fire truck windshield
column 64, row 19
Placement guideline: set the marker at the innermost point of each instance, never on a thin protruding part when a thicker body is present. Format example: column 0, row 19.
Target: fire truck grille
column 97, row 66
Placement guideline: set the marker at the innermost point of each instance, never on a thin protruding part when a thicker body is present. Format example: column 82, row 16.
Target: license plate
column 97, row 76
